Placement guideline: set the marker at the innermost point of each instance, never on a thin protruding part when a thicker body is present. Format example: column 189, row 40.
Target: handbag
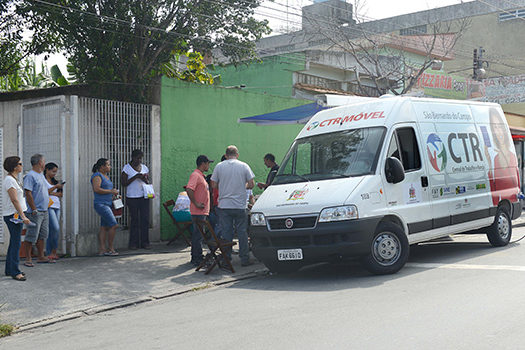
column 149, row 192
column 117, row 207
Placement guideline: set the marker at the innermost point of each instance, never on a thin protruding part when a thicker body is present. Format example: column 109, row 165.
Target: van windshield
column 333, row 155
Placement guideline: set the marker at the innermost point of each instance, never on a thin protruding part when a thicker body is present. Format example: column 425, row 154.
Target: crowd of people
column 229, row 200
column 35, row 203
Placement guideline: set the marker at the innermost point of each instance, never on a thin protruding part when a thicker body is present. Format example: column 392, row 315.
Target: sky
column 283, row 15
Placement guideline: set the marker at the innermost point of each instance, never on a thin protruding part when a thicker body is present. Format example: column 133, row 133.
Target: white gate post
column 75, row 198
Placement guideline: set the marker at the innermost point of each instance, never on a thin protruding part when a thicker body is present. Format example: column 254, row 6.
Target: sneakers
column 246, row 263
column 195, row 263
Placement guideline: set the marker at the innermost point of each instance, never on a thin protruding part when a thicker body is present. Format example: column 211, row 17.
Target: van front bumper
column 322, row 243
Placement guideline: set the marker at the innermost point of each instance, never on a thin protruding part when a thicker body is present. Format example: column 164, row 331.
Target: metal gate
column 43, row 132
column 108, row 129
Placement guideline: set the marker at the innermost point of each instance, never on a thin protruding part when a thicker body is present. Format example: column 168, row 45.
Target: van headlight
column 257, row 219
column 346, row 212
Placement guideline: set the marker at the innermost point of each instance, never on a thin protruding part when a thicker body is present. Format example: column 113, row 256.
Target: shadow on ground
column 349, row 275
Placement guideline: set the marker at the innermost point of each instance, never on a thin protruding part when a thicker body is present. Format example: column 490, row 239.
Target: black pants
column 139, row 226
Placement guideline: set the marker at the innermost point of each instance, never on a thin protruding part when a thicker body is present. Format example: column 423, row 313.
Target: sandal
column 19, row 277
column 29, row 264
column 111, row 253
column 47, row 261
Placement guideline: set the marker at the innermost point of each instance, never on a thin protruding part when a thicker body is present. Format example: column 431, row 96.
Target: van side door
column 410, row 198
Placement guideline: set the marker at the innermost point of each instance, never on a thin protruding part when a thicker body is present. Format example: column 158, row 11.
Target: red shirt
column 199, row 186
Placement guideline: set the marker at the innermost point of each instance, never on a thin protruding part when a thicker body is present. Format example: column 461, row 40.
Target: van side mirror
column 394, row 170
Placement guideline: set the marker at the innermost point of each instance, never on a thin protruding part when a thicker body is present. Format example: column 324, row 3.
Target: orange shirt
column 199, row 186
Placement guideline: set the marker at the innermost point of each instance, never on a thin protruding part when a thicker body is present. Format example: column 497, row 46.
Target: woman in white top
column 14, row 207
column 134, row 176
column 55, row 193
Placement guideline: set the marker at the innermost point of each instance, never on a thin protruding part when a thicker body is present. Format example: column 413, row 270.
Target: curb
column 134, row 301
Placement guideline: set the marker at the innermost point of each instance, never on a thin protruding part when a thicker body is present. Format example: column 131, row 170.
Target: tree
column 13, row 48
column 27, row 77
column 10, row 37
column 193, row 70
column 127, row 41
column 388, row 62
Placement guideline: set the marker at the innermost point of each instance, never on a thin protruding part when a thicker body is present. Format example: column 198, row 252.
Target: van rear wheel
column 500, row 232
column 388, row 251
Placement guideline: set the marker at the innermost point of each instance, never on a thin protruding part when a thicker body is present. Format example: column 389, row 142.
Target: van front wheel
column 388, row 251
column 500, row 232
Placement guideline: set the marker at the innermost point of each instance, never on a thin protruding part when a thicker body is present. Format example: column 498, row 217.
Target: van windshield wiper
column 338, row 175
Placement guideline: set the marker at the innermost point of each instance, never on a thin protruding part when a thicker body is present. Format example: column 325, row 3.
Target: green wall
column 272, row 75
column 197, row 119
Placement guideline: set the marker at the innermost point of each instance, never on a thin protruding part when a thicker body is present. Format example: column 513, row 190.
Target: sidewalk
column 74, row 287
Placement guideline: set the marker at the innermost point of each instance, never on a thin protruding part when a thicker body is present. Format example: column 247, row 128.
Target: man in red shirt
column 199, row 194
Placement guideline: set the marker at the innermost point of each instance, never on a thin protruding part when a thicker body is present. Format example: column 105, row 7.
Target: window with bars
column 513, row 14
column 417, row 30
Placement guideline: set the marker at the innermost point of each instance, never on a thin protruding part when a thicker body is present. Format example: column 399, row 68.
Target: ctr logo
column 436, row 152
column 312, row 126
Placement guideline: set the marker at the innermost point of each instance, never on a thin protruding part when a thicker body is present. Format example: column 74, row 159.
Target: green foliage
column 26, row 77
column 10, row 36
column 6, row 329
column 58, row 77
column 195, row 72
column 13, row 48
column 127, row 41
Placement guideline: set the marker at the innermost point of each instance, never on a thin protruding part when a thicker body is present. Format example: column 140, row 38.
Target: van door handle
column 424, row 181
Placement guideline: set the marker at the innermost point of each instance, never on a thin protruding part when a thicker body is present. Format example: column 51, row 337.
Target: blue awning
column 295, row 115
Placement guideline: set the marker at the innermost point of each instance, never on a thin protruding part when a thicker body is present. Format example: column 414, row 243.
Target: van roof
column 385, row 111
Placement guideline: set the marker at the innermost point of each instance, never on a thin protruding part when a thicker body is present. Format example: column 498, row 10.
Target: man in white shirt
column 232, row 177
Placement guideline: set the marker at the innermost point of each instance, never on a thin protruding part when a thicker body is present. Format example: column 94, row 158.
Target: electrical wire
column 260, row 51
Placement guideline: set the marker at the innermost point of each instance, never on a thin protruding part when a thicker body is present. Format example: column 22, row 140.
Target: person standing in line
column 104, row 192
column 269, row 161
column 134, row 176
column 199, row 194
column 233, row 177
column 55, row 193
column 37, row 198
column 14, row 207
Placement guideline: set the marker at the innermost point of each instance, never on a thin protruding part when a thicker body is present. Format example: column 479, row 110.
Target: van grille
column 298, row 223
column 293, row 241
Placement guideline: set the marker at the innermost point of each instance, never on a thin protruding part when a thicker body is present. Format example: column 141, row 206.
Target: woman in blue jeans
column 13, row 212
column 104, row 192
column 55, row 193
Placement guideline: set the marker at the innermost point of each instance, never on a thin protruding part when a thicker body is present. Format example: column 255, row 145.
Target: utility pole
column 478, row 72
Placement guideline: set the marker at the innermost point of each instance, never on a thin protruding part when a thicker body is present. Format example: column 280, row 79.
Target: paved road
column 451, row 295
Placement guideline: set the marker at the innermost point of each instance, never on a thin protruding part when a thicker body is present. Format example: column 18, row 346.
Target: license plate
column 290, row 254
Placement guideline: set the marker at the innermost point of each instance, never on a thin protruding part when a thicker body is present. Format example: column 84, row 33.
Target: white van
column 369, row 179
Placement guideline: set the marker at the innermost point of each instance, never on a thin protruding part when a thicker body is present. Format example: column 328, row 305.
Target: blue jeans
column 214, row 221
column 235, row 219
column 196, row 239
column 54, row 230
column 13, row 252
column 107, row 219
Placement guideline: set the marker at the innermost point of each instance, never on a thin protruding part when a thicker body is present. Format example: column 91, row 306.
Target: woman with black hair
column 134, row 176
column 55, row 193
column 104, row 192
column 14, row 206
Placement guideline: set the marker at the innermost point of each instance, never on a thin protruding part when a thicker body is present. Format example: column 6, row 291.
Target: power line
column 261, row 51
column 163, row 31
